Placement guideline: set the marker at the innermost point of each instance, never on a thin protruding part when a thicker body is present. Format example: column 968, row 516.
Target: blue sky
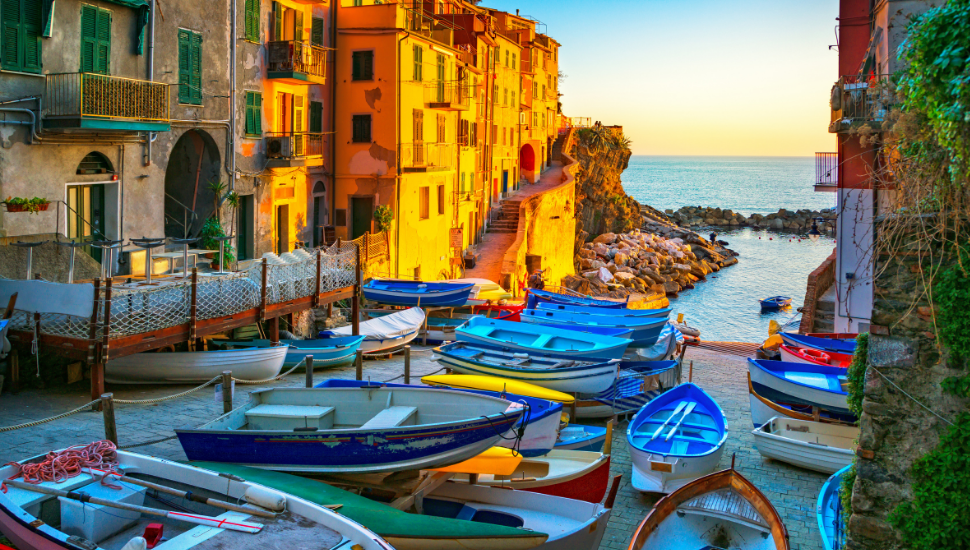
column 700, row 77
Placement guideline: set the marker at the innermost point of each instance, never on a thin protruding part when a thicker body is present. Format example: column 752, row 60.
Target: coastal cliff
column 602, row 206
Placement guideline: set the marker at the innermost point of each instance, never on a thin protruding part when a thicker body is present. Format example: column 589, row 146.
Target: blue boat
column 576, row 437
column 676, row 438
column 417, row 293
column 541, row 421
column 814, row 342
column 828, row 512
column 646, row 330
column 352, row 430
column 599, row 310
column 537, row 340
column 616, row 332
column 801, row 384
column 775, row 302
column 536, row 296
column 637, row 383
column 327, row 352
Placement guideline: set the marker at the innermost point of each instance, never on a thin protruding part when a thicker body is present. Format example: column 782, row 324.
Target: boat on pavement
column 719, row 510
column 823, row 447
column 352, row 430
column 495, row 384
column 676, row 438
column 824, row 344
column 326, row 352
column 763, row 410
column 536, row 340
column 118, row 499
column 385, row 334
column 843, row 336
column 194, row 367
column 814, row 356
column 577, row 437
column 560, row 374
column 483, row 292
column 775, row 303
column 801, row 384
column 600, row 310
column 505, row 312
column 634, row 386
column 646, row 330
column 828, row 512
column 397, row 292
column 536, row 296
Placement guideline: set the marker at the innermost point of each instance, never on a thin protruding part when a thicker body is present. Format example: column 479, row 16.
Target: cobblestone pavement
column 793, row 491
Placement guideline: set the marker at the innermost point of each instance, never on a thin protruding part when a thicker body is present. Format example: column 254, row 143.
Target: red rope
column 61, row 466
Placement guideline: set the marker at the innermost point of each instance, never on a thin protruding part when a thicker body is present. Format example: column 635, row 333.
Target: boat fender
column 137, row 543
column 265, row 498
column 520, row 355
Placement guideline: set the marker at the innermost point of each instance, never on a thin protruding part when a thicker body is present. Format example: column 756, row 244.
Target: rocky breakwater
column 620, row 264
column 798, row 221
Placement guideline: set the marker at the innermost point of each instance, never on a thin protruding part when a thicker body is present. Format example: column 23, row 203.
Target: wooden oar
column 184, row 494
column 197, row 519
column 679, row 408
column 681, row 421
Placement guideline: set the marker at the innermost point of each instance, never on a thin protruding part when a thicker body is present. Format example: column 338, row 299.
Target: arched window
column 95, row 163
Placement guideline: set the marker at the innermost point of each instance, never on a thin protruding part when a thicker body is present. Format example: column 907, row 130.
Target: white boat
column 570, row 524
column 45, row 521
column 385, row 334
column 818, row 446
column 762, row 410
column 193, row 367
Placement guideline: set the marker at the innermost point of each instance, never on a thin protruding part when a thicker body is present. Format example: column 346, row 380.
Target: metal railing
column 858, row 99
column 427, row 155
column 447, row 94
column 299, row 57
column 826, row 169
column 419, row 22
column 289, row 145
column 98, row 95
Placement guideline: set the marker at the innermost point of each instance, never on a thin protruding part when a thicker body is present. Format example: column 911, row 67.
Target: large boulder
column 605, row 238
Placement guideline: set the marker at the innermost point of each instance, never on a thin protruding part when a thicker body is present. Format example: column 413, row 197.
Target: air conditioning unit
column 279, row 147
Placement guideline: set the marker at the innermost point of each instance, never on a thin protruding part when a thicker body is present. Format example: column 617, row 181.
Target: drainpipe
column 232, row 100
column 333, row 112
column 147, row 161
column 397, row 182
column 121, row 199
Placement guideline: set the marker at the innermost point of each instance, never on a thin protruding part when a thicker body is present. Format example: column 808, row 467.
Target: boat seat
column 466, row 513
column 563, row 364
column 289, row 417
column 679, row 446
column 520, row 361
column 726, row 504
column 391, row 417
column 25, row 499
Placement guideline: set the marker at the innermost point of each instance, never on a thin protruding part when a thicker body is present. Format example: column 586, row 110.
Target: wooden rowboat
column 823, row 447
column 763, row 410
column 646, row 330
column 815, row 356
column 384, row 334
column 194, row 367
column 576, row 437
column 536, row 340
column 828, row 512
column 600, row 310
column 417, row 293
column 775, row 303
column 801, row 384
column 824, row 344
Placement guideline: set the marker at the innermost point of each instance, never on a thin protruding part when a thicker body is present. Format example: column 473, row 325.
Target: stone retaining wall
column 818, row 282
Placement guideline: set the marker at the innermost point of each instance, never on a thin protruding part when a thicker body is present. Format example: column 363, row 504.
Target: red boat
column 815, row 356
column 505, row 312
column 834, row 335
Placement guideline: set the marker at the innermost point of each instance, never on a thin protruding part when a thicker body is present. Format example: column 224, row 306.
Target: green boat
column 403, row 530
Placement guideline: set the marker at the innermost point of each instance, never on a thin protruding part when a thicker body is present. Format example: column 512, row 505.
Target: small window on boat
column 95, row 163
column 497, row 518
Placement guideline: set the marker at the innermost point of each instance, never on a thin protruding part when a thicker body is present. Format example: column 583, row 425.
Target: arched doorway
column 321, row 212
column 527, row 162
column 192, row 167
column 91, row 212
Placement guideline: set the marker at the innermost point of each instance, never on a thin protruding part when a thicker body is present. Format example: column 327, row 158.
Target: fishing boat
column 417, row 293
column 194, row 367
column 676, row 438
column 565, row 375
column 720, row 510
column 536, row 296
column 646, row 330
column 824, row 344
column 576, row 437
column 615, row 332
column 801, row 384
column 817, row 446
column 541, row 419
column 326, row 352
column 405, row 531
column 775, row 303
column 536, row 340
column 117, row 499
column 483, row 292
column 636, row 384
column 578, row 475
column 600, row 310
column 763, row 410
column 570, row 524
column 385, row 334
column 828, row 512
column 352, row 430
column 814, row 356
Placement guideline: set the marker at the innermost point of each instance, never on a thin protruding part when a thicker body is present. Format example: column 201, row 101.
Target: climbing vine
column 845, row 492
column 857, row 374
column 951, row 297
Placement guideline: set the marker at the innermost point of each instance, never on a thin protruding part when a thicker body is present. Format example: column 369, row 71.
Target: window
column 535, row 119
column 543, row 91
column 363, row 65
column 254, row 114
column 513, row 98
column 496, row 54
column 358, row 2
column 252, row 20
column 21, row 26
column 441, row 199
column 190, row 67
column 418, row 63
column 316, row 31
column 441, row 128
column 513, row 60
column 316, row 117
column 95, row 40
column 361, row 132
column 535, row 90
column 424, row 197
column 462, row 188
column 463, row 138
column 495, row 92
column 507, row 52
column 495, row 134
column 505, row 96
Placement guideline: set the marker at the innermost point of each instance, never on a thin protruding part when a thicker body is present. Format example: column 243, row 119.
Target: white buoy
column 265, row 498
column 137, row 543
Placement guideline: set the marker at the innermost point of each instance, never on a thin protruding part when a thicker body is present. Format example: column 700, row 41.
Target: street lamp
column 814, row 233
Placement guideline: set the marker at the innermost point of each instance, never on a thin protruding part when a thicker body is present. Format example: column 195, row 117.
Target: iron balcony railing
column 418, row 21
column 826, row 170
column 858, row 100
column 291, row 145
column 105, row 96
column 298, row 57
column 427, row 155
column 447, row 94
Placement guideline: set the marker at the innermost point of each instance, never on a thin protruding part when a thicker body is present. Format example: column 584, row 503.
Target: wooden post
column 690, row 374
column 226, row 391
column 97, row 369
column 309, row 371
column 407, row 364
column 193, row 308
column 316, row 294
column 92, row 334
column 355, row 304
column 359, row 364
column 274, row 330
column 262, row 292
column 108, row 409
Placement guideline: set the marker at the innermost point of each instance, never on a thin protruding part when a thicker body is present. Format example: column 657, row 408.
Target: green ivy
column 959, row 386
column 845, row 492
column 856, row 374
column 383, row 215
column 951, row 299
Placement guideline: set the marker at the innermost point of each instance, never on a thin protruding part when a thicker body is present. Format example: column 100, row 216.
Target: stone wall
column 782, row 220
column 818, row 282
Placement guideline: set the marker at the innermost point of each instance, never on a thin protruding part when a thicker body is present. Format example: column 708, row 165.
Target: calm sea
column 771, row 263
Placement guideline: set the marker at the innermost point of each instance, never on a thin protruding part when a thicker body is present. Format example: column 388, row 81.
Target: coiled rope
column 60, row 466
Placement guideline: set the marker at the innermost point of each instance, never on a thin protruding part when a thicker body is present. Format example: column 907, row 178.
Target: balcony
column 418, row 22
column 427, row 157
column 858, row 101
column 293, row 149
column 447, row 96
column 826, row 171
column 296, row 62
column 97, row 102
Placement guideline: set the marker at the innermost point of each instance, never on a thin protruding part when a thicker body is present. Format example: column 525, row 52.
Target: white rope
column 267, row 380
column 46, row 420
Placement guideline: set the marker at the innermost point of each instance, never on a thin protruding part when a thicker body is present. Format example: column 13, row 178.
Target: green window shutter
column 33, row 29
column 103, row 53
column 258, row 113
column 368, row 65
column 316, row 117
column 184, row 62
column 355, row 66
column 363, row 66
column 250, row 121
column 316, row 31
column 277, row 21
column 418, row 60
column 11, row 24
column 89, row 37
column 195, row 74
column 252, row 20
column 298, row 26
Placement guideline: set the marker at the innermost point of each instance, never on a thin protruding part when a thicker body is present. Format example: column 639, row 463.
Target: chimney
column 516, row 11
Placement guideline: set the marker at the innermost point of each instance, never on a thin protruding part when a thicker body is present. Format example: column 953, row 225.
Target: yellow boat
column 493, row 383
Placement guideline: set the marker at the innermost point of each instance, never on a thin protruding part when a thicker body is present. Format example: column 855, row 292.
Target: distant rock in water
column 799, row 221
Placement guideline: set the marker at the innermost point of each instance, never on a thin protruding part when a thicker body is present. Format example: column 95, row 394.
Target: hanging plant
column 383, row 215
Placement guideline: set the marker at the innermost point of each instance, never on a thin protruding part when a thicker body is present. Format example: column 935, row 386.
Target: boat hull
column 195, row 367
column 828, row 512
column 763, row 410
column 797, row 355
column 636, row 385
column 650, row 475
column 600, row 310
column 536, row 296
column 401, row 294
column 373, row 345
column 550, row 342
column 771, row 442
column 586, row 481
column 593, row 379
column 581, row 438
column 645, row 330
column 779, row 389
column 824, row 344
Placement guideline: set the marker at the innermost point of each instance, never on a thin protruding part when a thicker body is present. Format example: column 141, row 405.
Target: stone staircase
column 557, row 149
column 505, row 218
column 825, row 311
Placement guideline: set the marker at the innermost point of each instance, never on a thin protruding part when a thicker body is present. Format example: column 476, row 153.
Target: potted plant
column 21, row 204
column 207, row 240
